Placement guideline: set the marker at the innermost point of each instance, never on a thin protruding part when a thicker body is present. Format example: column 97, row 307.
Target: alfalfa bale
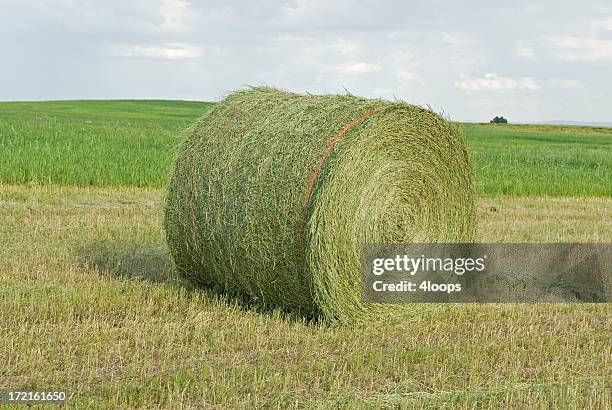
column 273, row 194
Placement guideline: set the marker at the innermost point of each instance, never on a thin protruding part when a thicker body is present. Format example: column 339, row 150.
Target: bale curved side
column 273, row 194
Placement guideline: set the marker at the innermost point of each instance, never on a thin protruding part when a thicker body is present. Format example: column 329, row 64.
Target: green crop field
column 92, row 143
column 541, row 160
column 87, row 302
column 131, row 143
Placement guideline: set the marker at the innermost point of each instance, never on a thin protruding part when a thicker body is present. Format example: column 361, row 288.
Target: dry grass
column 545, row 219
column 76, row 313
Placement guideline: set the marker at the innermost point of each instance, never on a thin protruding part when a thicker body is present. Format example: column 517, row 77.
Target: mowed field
column 88, row 303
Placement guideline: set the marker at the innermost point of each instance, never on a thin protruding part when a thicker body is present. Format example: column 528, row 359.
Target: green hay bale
column 274, row 193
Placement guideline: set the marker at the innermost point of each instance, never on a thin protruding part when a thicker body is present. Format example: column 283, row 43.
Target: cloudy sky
column 527, row 60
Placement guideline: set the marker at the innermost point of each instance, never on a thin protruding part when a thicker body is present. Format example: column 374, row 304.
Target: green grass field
column 131, row 143
column 92, row 143
column 87, row 302
column 541, row 160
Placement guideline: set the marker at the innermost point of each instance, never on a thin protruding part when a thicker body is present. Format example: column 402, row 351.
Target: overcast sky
column 527, row 60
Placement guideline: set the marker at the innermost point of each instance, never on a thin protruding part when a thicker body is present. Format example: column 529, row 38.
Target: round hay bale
column 273, row 194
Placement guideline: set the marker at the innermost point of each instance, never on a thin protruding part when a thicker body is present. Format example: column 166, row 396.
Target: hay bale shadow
column 127, row 260
column 137, row 261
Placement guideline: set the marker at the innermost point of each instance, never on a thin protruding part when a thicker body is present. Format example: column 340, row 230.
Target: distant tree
column 499, row 120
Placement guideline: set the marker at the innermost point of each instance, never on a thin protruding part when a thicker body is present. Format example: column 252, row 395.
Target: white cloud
column 176, row 51
column 393, row 35
column 493, row 82
column 383, row 91
column 453, row 39
column 318, row 46
column 407, row 68
column 532, row 8
column 344, row 47
column 524, row 52
column 176, row 15
column 605, row 24
column 337, row 46
column 402, row 56
column 592, row 44
column 355, row 68
column 407, row 76
column 563, row 83
column 588, row 49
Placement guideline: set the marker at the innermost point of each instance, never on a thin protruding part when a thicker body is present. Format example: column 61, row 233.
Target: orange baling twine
column 317, row 170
